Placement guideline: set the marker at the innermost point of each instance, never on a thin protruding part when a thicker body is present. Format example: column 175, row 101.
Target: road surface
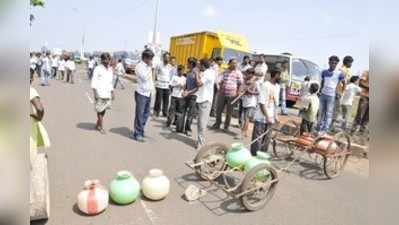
column 78, row 153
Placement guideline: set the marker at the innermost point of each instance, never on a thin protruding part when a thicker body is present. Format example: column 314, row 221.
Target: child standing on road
column 310, row 104
column 103, row 89
column 248, row 101
column 347, row 100
column 176, row 109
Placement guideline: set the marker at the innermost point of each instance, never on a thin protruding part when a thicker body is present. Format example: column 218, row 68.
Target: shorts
column 248, row 113
column 102, row 104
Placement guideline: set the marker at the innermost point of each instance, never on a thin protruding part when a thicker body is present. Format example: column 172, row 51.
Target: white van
column 298, row 69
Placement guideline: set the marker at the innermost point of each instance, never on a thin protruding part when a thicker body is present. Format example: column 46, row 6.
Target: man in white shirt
column 205, row 82
column 176, row 109
column 174, row 66
column 102, row 89
column 261, row 67
column 244, row 67
column 245, row 64
column 61, row 67
column 163, row 76
column 33, row 61
column 54, row 66
column 216, row 65
column 142, row 95
column 266, row 111
column 119, row 72
column 39, row 64
column 285, row 78
column 90, row 67
column 46, row 69
column 70, row 69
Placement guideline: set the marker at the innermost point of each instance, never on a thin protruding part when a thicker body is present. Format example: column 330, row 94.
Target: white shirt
column 144, row 79
column 102, row 81
column 163, row 75
column 216, row 68
column 331, row 80
column 61, row 65
column 244, row 68
column 249, row 101
column 33, row 62
column 54, row 62
column 261, row 69
column 178, row 83
column 205, row 92
column 269, row 97
column 70, row 64
column 350, row 91
column 46, row 64
column 91, row 63
column 173, row 71
column 119, row 69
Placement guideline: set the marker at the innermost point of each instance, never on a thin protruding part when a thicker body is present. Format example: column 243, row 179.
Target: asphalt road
column 78, row 153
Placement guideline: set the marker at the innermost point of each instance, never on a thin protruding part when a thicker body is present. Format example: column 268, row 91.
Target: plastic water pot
column 124, row 188
column 237, row 155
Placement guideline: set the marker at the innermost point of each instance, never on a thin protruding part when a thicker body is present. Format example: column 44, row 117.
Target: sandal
column 101, row 130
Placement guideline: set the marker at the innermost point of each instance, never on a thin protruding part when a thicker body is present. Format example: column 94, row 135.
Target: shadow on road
column 39, row 222
column 227, row 132
column 76, row 210
column 216, row 200
column 180, row 137
column 123, row 131
column 305, row 168
column 86, row 126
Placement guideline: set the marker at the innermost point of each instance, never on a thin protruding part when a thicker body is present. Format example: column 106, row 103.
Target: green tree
column 35, row 3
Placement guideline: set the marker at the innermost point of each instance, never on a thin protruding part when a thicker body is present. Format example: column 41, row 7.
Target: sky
column 313, row 29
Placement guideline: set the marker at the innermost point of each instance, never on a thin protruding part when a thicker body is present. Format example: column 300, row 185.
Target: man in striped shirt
column 229, row 84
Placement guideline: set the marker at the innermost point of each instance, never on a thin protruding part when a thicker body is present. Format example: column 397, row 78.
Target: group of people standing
column 52, row 66
column 204, row 88
column 338, row 89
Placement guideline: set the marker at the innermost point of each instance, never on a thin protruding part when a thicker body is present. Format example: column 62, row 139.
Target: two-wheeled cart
column 254, row 189
column 334, row 151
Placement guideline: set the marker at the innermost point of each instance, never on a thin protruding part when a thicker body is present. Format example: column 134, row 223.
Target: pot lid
column 155, row 173
column 123, row 174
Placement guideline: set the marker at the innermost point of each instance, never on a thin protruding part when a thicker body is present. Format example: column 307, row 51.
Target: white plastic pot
column 155, row 185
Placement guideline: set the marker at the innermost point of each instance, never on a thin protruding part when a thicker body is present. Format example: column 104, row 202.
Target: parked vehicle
column 298, row 69
column 208, row 44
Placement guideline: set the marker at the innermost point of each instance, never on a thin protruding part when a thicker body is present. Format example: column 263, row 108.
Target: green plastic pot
column 124, row 188
column 237, row 155
column 261, row 157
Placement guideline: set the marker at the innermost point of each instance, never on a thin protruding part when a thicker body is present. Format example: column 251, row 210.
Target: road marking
column 90, row 99
column 150, row 214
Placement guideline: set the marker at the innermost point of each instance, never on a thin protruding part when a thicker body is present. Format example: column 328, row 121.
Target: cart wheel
column 343, row 140
column 335, row 163
column 213, row 156
column 260, row 182
column 283, row 152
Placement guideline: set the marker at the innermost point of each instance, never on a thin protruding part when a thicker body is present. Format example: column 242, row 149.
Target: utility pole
column 82, row 47
column 156, row 47
column 155, row 31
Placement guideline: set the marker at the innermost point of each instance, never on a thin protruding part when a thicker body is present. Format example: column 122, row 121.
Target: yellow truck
column 208, row 44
